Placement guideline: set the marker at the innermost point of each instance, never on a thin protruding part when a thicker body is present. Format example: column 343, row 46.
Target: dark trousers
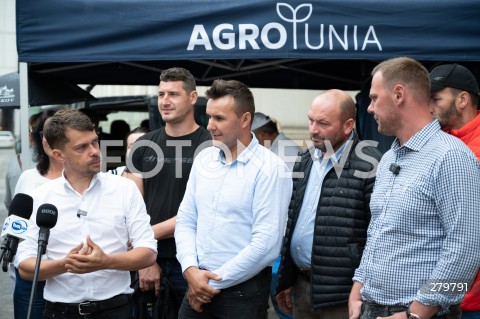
column 372, row 311
column 172, row 270
column 21, row 298
column 55, row 311
column 247, row 300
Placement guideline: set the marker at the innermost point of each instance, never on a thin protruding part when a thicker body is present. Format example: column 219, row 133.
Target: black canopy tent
column 318, row 44
column 309, row 45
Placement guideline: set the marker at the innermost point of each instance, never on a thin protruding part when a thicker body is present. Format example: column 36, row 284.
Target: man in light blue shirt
column 422, row 245
column 230, row 223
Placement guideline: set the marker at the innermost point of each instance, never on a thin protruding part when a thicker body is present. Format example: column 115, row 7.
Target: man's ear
column 193, row 97
column 58, row 156
column 246, row 119
column 462, row 100
column 399, row 93
column 348, row 126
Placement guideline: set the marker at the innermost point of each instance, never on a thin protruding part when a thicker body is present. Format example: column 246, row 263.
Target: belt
column 305, row 273
column 376, row 307
column 89, row 307
column 454, row 309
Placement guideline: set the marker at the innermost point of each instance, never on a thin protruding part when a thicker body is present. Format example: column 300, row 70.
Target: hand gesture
column 86, row 258
column 199, row 291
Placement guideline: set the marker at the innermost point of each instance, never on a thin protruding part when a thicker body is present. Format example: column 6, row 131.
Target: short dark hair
column 242, row 96
column 56, row 127
column 179, row 74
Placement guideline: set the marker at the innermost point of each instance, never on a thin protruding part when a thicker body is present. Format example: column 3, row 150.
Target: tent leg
column 26, row 157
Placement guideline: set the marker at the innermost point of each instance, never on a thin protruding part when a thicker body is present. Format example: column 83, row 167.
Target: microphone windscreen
column 47, row 215
column 21, row 206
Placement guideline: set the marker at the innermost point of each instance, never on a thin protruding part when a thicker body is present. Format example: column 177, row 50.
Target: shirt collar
column 96, row 179
column 417, row 141
column 245, row 155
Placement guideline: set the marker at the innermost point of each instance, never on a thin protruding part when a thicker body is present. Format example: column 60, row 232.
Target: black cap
column 454, row 76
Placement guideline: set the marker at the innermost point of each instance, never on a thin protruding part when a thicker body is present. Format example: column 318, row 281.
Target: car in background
column 7, row 140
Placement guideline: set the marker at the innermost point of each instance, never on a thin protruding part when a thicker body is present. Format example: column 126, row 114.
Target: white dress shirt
column 111, row 211
column 232, row 217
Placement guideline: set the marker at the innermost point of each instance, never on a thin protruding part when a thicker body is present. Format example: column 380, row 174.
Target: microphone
column 47, row 215
column 81, row 213
column 15, row 226
column 394, row 168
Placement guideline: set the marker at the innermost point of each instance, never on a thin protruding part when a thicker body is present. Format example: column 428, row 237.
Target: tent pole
column 26, row 157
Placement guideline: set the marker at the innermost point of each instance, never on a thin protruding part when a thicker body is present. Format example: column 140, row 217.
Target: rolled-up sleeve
column 138, row 221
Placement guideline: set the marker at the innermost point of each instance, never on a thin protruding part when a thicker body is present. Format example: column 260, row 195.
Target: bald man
column 328, row 214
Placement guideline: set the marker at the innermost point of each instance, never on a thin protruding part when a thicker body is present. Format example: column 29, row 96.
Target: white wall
column 8, row 47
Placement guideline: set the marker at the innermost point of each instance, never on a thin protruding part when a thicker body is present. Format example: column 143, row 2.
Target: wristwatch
column 412, row 315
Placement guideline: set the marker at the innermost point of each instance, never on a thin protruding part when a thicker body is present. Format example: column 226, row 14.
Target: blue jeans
column 21, row 298
column 173, row 271
column 247, row 300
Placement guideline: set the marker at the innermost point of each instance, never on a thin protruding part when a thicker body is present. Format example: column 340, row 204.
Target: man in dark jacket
column 329, row 213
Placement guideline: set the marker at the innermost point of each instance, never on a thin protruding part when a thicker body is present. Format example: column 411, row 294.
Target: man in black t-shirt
column 162, row 160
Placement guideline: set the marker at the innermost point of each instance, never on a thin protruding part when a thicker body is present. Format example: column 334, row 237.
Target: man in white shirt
column 87, row 259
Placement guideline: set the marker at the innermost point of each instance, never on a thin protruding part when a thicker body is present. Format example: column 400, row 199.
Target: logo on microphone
column 48, row 211
column 5, row 226
column 19, row 226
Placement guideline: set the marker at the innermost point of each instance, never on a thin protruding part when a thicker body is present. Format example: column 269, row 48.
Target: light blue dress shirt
column 302, row 238
column 232, row 218
column 424, row 230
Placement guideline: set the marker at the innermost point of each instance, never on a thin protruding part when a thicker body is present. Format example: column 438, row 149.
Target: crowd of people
column 358, row 234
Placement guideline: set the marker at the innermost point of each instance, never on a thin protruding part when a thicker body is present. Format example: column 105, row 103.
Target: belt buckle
column 86, row 308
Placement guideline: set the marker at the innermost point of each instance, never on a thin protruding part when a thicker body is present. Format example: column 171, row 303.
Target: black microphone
column 394, row 168
column 47, row 215
column 15, row 226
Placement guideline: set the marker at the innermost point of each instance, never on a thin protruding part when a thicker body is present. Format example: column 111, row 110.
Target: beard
column 447, row 117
